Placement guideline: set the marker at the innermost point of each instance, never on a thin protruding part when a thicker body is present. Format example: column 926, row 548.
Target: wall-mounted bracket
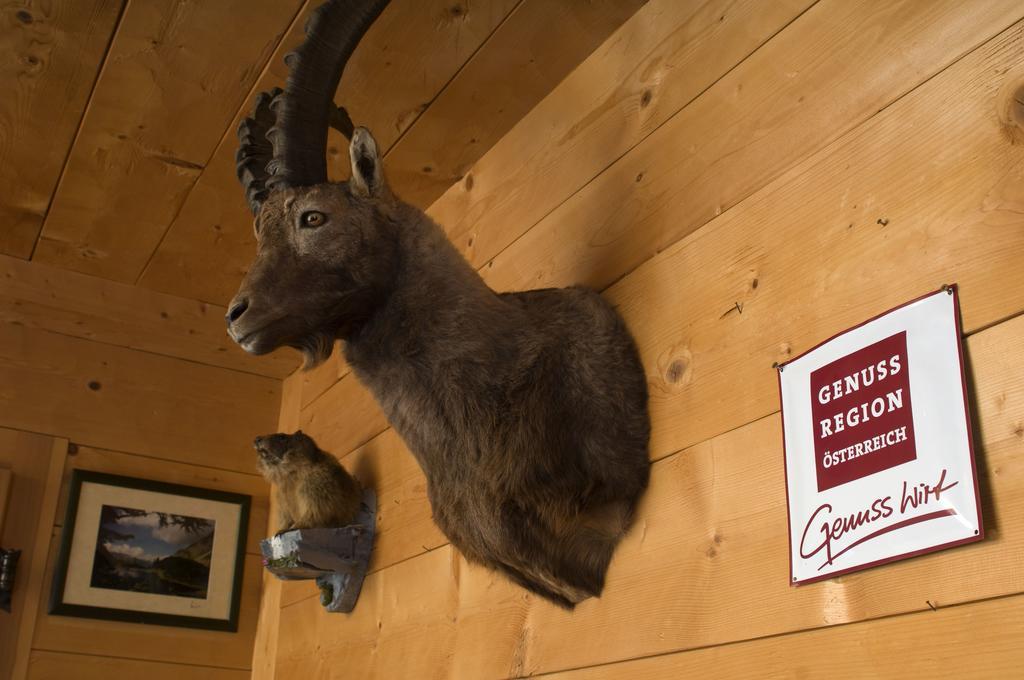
column 337, row 558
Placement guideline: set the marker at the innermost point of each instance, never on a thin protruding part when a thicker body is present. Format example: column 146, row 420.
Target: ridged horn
column 255, row 151
column 306, row 108
column 284, row 141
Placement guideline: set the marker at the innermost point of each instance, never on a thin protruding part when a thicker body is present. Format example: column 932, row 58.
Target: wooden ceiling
column 117, row 131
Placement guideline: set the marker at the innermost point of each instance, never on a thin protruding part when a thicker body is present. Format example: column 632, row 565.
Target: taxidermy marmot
column 311, row 487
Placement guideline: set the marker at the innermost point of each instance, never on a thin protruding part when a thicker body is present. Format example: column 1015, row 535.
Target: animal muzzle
column 270, row 448
column 248, row 323
column 239, row 330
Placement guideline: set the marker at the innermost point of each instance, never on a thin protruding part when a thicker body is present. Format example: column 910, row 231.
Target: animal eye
column 313, row 218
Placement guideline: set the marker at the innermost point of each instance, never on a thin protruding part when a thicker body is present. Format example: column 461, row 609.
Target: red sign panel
column 860, row 404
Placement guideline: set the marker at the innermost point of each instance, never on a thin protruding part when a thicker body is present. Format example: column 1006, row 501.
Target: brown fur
column 527, row 411
column 311, row 487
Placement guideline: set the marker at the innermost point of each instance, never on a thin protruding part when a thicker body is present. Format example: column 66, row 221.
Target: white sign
column 879, row 456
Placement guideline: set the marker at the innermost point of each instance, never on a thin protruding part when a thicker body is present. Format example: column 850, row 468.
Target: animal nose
column 258, row 442
column 236, row 310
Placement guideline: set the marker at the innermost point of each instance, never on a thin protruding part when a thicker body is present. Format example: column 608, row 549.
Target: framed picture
column 149, row 552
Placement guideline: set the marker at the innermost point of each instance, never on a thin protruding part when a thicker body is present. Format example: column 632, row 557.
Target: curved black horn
column 306, row 108
column 255, row 151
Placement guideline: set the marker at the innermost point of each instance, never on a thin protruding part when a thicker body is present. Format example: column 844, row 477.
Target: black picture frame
column 79, row 477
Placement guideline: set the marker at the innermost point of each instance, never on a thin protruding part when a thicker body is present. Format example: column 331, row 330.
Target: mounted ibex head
column 527, row 411
column 321, row 258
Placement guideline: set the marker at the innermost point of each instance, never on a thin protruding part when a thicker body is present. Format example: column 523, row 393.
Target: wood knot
column 1011, row 107
column 675, row 371
column 95, row 385
column 24, row 16
column 427, row 169
column 469, row 182
column 645, row 99
column 639, row 177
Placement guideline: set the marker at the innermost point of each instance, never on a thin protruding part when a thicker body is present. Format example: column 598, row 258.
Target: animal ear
column 367, row 174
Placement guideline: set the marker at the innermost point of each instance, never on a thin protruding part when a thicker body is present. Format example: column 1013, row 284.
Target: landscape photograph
column 153, row 552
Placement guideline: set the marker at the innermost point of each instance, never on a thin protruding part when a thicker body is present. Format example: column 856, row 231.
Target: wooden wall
column 103, row 376
column 742, row 179
column 119, row 126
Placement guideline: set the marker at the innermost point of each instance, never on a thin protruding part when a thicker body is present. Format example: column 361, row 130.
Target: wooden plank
column 5, row 493
column 39, row 296
column 54, row 51
column 923, row 645
column 130, row 465
column 410, row 55
column 599, row 235
column 382, row 638
column 264, row 655
column 710, row 538
column 36, row 587
column 531, row 172
column 667, row 54
column 345, row 416
column 400, row 65
column 291, row 394
column 169, row 70
column 472, row 632
column 59, row 666
column 794, row 97
column 30, row 458
column 529, row 54
column 121, row 399
column 151, row 643
column 317, row 381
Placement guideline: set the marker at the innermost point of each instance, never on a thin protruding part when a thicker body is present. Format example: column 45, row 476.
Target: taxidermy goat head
column 527, row 411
